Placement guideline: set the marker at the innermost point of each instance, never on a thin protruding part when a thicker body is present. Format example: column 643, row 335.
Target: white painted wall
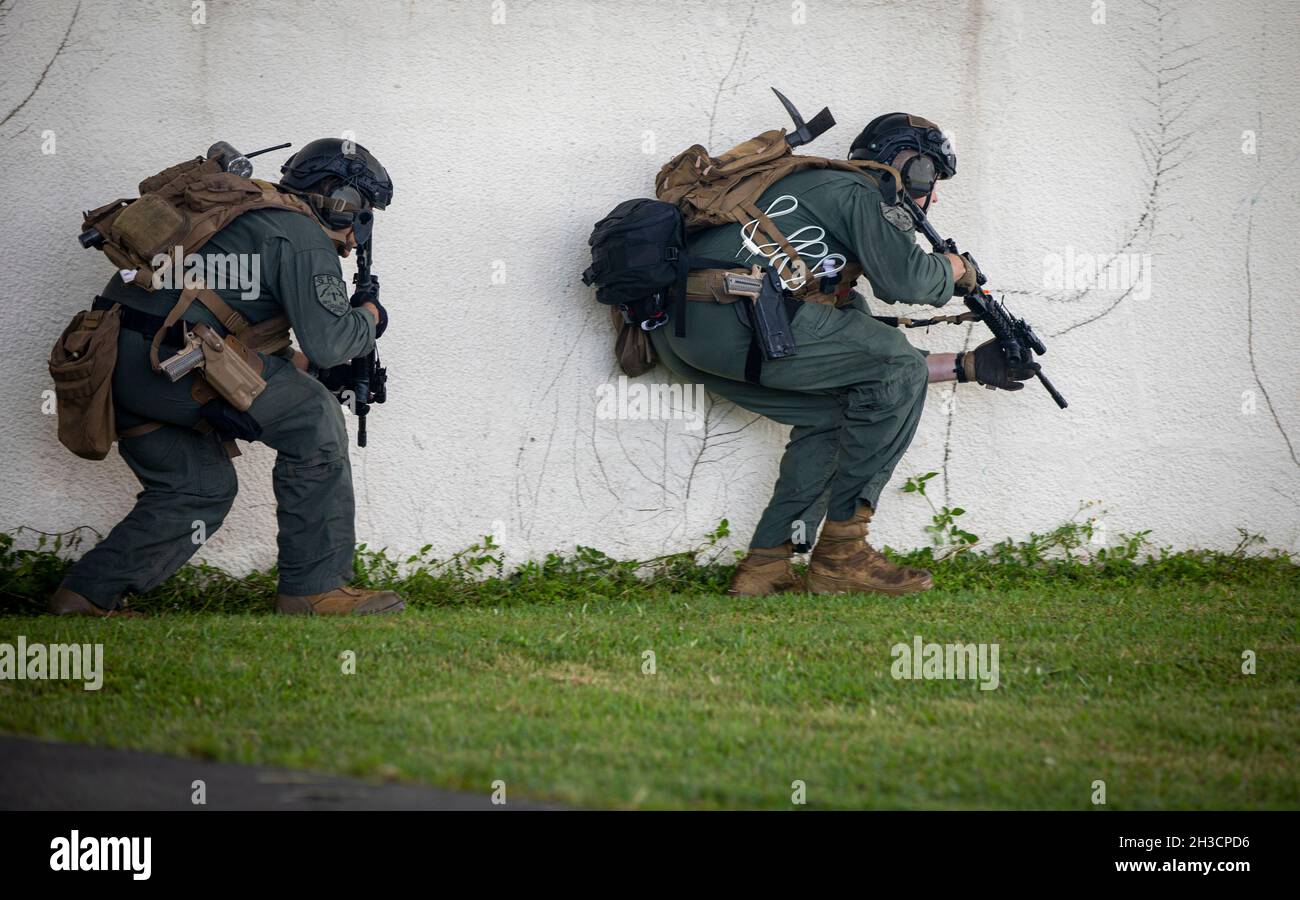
column 507, row 141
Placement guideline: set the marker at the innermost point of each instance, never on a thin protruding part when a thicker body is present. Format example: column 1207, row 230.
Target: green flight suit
column 854, row 392
column 186, row 476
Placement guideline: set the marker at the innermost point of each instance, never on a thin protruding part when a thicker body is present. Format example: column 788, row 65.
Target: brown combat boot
column 765, row 571
column 66, row 602
column 342, row 601
column 843, row 561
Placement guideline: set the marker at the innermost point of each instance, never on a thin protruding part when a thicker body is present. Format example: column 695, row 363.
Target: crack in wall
column 46, row 71
column 948, row 425
column 1250, row 287
column 973, row 101
column 523, row 488
column 591, row 440
column 1250, row 338
column 735, row 59
column 1162, row 153
column 1157, row 154
column 710, row 440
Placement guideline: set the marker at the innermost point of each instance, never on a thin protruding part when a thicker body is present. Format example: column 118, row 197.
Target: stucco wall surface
column 1168, row 132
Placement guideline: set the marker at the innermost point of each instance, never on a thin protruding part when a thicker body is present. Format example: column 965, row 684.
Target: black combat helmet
column 360, row 182
column 888, row 135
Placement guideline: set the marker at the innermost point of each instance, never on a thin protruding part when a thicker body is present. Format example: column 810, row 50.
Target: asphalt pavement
column 44, row 775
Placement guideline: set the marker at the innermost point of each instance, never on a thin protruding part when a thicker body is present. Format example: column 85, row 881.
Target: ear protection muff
column 919, row 175
column 888, row 135
column 343, row 205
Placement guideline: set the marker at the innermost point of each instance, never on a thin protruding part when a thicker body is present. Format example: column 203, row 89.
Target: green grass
column 1117, row 668
column 1118, row 665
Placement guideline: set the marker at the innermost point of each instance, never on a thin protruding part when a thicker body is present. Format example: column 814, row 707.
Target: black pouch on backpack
column 636, row 251
column 639, row 263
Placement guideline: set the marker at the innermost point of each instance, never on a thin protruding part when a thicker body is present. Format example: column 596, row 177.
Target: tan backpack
column 181, row 207
column 724, row 190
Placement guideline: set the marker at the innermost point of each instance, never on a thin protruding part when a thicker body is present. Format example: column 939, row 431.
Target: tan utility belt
column 708, row 286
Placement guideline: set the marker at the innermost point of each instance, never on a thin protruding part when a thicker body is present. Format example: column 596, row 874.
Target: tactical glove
column 986, row 365
column 967, row 283
column 370, row 294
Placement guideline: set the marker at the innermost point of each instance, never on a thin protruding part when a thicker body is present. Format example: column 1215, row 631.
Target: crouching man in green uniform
column 853, row 394
column 174, row 444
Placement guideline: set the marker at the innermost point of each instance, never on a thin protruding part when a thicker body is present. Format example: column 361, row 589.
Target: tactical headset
column 888, row 135
column 365, row 183
column 346, row 207
column 342, row 206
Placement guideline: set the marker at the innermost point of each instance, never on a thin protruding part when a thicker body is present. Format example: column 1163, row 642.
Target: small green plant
column 35, row 571
column 943, row 529
column 478, row 574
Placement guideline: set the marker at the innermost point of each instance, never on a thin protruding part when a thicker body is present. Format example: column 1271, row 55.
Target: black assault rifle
column 369, row 380
column 1014, row 336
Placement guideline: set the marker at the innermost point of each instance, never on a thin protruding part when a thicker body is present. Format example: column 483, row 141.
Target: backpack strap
column 773, row 235
column 889, row 186
column 679, row 294
column 267, row 336
column 206, row 225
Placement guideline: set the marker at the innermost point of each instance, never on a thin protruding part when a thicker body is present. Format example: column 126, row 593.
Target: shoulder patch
column 897, row 216
column 332, row 293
